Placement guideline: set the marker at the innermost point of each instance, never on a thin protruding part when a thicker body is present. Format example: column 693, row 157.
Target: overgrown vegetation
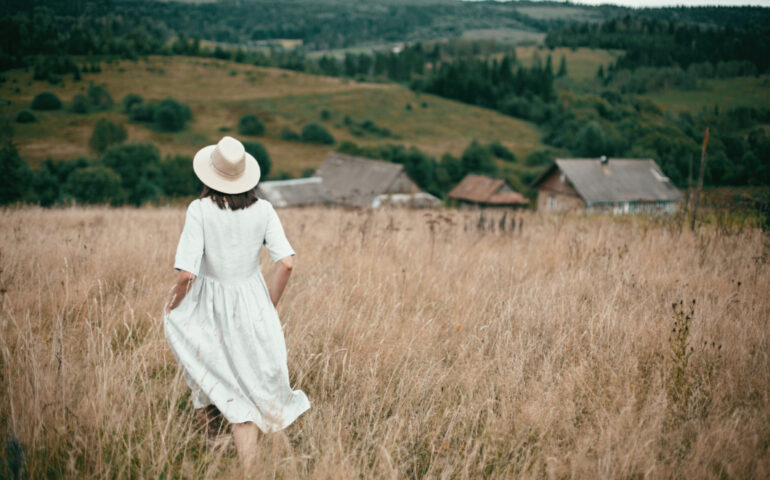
column 533, row 373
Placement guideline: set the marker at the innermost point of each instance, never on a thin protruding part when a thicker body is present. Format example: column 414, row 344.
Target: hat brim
column 213, row 179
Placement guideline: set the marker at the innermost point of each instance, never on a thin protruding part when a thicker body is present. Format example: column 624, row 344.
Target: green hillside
column 219, row 93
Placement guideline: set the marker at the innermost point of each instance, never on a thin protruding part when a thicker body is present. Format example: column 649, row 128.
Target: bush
column 141, row 112
column 500, row 151
column 95, row 185
column 290, row 135
column 177, row 176
column 25, row 116
column 538, row 158
column 130, row 100
column 257, row 150
column 136, row 163
column 590, row 141
column 251, row 125
column 99, row 98
column 171, row 115
column 315, row 133
column 79, row 104
column 477, row 159
column 46, row 101
column 105, row 134
column 14, row 182
column 45, row 186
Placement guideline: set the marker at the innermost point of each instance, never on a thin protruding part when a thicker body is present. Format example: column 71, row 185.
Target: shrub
column 177, row 177
column 538, row 158
column 290, row 135
column 251, row 125
column 99, row 98
column 135, row 163
column 45, row 101
column 257, row 150
column 105, row 134
column 141, row 112
column 325, row 114
column 95, row 185
column 590, row 141
column 45, row 187
column 130, row 100
column 500, row 151
column 477, row 159
column 171, row 115
column 315, row 133
column 79, row 104
column 14, row 181
column 25, row 116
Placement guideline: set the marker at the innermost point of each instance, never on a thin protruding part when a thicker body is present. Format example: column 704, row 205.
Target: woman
column 221, row 321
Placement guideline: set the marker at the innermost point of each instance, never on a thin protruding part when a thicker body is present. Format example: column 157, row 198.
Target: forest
column 659, row 49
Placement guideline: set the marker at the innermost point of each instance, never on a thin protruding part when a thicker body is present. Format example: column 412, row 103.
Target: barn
column 298, row 192
column 606, row 185
column 366, row 183
column 486, row 191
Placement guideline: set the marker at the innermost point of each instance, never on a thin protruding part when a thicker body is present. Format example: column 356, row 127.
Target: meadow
column 571, row 347
column 220, row 92
column 724, row 93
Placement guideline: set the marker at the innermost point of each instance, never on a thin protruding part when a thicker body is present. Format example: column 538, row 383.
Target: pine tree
column 562, row 67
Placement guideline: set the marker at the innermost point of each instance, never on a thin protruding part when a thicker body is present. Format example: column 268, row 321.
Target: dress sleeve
column 275, row 238
column 190, row 249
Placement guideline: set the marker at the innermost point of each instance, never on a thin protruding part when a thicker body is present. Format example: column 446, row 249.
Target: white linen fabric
column 225, row 333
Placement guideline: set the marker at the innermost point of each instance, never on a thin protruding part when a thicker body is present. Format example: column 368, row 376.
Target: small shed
column 357, row 181
column 486, row 191
column 298, row 192
column 612, row 185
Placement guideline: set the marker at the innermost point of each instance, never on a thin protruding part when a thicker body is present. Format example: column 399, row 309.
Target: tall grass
column 428, row 349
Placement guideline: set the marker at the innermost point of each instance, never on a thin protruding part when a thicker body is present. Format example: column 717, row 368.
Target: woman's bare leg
column 245, row 436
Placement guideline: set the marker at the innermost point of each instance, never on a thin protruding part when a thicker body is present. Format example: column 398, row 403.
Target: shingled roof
column 357, row 180
column 295, row 193
column 486, row 190
column 617, row 180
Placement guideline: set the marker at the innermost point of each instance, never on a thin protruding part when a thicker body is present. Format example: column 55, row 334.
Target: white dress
column 225, row 333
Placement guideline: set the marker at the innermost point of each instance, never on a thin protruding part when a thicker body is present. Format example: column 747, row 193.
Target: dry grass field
column 428, row 349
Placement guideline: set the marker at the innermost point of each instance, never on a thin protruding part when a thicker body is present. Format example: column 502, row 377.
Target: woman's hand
column 183, row 283
column 283, row 268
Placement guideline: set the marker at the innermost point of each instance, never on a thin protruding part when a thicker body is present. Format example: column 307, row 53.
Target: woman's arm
column 283, row 269
column 183, row 283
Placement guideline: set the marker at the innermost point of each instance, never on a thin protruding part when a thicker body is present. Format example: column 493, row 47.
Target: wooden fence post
column 700, row 178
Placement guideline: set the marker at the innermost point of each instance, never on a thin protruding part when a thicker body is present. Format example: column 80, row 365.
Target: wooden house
column 486, row 192
column 612, row 185
column 366, row 183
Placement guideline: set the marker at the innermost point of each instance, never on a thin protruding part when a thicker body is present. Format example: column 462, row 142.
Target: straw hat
column 226, row 167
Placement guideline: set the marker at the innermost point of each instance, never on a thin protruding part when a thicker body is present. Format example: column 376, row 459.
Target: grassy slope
column 582, row 63
column 220, row 92
column 727, row 93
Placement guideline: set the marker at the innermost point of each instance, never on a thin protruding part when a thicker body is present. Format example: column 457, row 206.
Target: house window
column 552, row 202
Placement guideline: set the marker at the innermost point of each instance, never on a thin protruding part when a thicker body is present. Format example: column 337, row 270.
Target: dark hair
column 235, row 201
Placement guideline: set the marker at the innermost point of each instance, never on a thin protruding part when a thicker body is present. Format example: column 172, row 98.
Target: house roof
column 357, row 180
column 414, row 200
column 482, row 189
column 619, row 180
column 296, row 192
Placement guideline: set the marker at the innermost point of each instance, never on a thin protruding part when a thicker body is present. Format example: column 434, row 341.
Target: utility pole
column 700, row 178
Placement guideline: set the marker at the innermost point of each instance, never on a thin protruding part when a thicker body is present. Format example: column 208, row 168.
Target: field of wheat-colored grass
column 428, row 349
